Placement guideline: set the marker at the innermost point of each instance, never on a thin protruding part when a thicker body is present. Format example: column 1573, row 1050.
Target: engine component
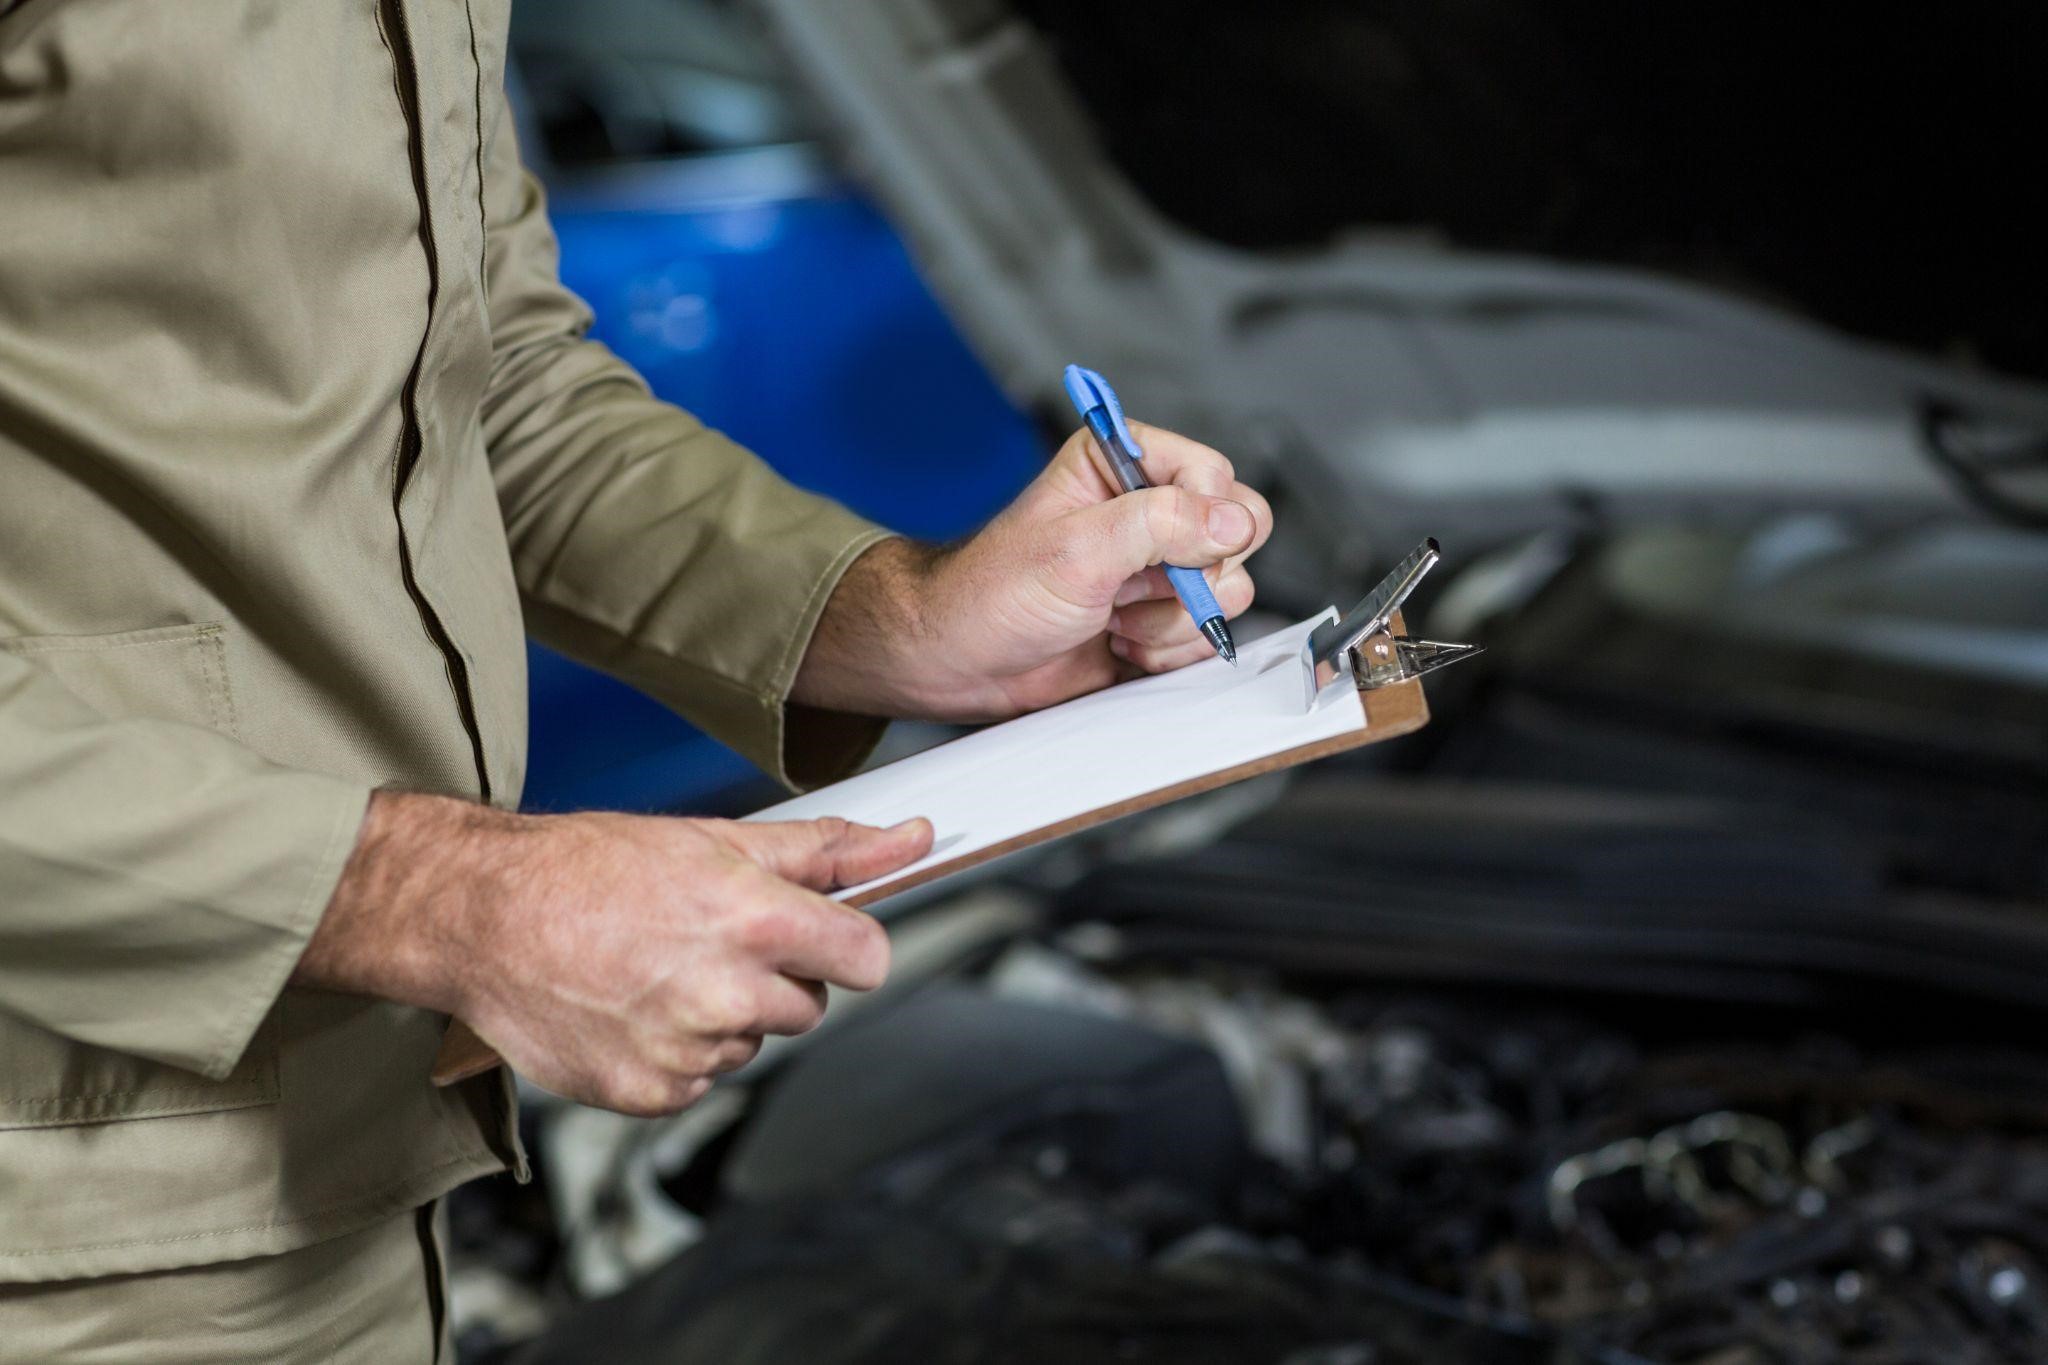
column 954, row 1065
column 1726, row 1201
column 1429, row 1178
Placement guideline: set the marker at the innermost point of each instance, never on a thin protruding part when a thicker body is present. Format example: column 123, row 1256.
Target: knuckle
column 1147, row 513
column 1168, row 625
column 1262, row 511
column 870, row 963
column 735, row 1053
column 808, row 1017
column 693, row 1061
column 657, row 1048
column 1167, row 657
column 644, row 1092
column 1170, row 514
column 678, row 1090
column 1212, row 467
column 764, row 930
column 1128, row 624
column 726, row 882
column 720, row 1007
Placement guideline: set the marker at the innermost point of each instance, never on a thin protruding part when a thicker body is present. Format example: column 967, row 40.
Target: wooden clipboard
column 1390, row 711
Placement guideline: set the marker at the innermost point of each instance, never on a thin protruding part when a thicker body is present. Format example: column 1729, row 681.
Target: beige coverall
column 299, row 438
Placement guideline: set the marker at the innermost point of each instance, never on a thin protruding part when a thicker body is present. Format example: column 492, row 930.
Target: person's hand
column 620, row 960
column 1061, row 594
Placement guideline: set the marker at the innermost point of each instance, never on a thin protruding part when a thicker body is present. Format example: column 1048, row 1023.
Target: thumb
column 1112, row 540
column 830, row 853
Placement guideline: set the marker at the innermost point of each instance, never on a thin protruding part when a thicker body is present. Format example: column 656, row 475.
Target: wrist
column 875, row 649
column 410, row 911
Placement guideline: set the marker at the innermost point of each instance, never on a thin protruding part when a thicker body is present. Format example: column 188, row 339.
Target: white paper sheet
column 1090, row 753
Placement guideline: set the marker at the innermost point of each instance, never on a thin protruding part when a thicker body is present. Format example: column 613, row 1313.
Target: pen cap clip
column 1087, row 390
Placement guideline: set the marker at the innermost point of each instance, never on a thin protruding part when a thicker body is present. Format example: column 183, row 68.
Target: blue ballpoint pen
column 1096, row 401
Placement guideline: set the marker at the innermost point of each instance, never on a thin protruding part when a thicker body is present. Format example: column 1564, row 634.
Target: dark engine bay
column 1674, row 998
column 1215, row 1166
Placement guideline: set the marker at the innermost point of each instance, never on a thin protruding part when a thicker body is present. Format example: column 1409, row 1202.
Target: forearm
column 874, row 651
column 411, row 900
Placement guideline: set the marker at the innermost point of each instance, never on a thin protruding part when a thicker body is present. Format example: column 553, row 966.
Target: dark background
column 1880, row 167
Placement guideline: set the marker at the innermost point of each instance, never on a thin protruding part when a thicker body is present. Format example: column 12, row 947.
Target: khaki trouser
column 374, row 1297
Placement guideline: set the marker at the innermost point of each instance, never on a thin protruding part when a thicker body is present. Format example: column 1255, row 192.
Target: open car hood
column 1404, row 388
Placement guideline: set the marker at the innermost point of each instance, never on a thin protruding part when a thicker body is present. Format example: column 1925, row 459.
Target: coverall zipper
column 410, row 440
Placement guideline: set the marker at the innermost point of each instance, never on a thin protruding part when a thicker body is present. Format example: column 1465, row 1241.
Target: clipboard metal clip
column 1360, row 646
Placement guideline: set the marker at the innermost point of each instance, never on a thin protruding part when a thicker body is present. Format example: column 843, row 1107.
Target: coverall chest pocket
column 47, row 1080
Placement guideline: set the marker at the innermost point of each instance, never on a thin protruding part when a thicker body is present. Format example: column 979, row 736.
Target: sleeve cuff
column 808, row 746
column 345, row 806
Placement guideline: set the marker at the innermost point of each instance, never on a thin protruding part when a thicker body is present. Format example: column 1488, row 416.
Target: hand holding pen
column 1099, row 407
column 1064, row 592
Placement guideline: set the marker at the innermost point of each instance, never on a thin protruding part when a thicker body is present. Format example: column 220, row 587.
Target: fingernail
column 1230, row 524
column 1116, row 623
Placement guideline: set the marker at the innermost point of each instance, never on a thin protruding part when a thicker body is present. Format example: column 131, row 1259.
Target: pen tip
column 1218, row 635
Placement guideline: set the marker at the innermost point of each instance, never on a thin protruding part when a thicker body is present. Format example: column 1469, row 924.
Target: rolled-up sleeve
column 646, row 544
column 160, row 880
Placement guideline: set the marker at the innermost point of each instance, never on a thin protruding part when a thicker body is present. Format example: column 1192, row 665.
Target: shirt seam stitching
column 101, row 644
column 221, row 1088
